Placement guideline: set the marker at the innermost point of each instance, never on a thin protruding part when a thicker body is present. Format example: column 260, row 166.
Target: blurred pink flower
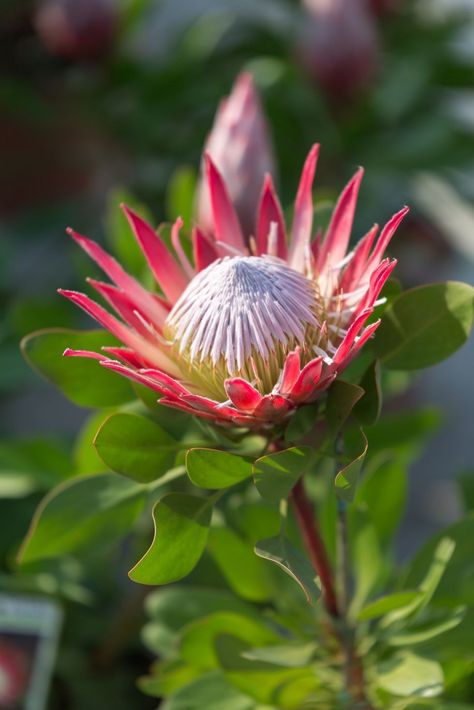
column 339, row 45
column 249, row 331
column 77, row 29
column 239, row 144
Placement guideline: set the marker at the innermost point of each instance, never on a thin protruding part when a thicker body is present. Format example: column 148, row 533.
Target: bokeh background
column 105, row 100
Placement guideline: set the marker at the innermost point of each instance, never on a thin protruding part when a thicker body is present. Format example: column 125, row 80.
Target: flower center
column 240, row 317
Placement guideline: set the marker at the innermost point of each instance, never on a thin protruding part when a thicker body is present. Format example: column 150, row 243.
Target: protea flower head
column 240, row 146
column 339, row 45
column 252, row 329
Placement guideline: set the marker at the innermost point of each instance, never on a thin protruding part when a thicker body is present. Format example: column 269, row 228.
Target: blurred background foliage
column 103, row 101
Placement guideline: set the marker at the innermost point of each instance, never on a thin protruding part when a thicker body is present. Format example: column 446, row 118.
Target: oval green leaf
column 425, row 325
column 81, row 379
column 209, row 468
column 135, row 447
column 82, row 512
column 181, row 529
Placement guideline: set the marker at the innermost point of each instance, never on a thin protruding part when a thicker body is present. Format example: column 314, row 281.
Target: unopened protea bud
column 240, row 147
column 77, row 29
column 339, row 45
column 252, row 329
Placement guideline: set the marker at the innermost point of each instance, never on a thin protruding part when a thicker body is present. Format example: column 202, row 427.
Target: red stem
column 315, row 546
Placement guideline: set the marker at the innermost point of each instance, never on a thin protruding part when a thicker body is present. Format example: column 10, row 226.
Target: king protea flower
column 254, row 327
column 240, row 147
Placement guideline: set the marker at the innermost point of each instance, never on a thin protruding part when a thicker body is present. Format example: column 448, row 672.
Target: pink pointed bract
column 240, row 147
column 252, row 329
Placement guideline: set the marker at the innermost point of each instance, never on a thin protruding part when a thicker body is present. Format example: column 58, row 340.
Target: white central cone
column 240, row 317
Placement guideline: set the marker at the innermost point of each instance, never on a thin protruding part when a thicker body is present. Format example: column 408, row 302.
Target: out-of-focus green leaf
column 180, row 196
column 428, row 631
column 281, row 552
column 197, row 643
column 301, row 422
column 86, row 458
column 81, row 379
column 32, row 464
column 135, row 447
column 397, row 432
column 367, row 409
column 425, row 325
column 355, row 448
column 211, row 691
column 119, row 234
column 342, row 398
column 174, row 607
column 168, row 677
column 85, row 511
column 408, row 674
column 466, row 482
column 262, row 680
column 382, row 494
column 233, row 554
column 441, row 556
column 456, row 585
column 276, row 474
column 181, row 529
column 209, row 468
column 367, row 557
column 291, row 655
column 383, row 605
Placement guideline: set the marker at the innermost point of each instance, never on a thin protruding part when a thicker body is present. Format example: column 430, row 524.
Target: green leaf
column 429, row 630
column 425, row 325
column 276, row 474
column 341, row 400
column 174, row 607
column 355, row 447
column 233, row 555
column 400, row 431
column 382, row 493
column 428, row 585
column 301, row 422
column 209, row 468
column 197, row 643
column 368, row 560
column 210, row 692
column 135, row 447
column 180, row 196
column 86, row 458
column 407, row 674
column 81, row 379
column 80, row 513
column 456, row 583
column 281, row 552
column 168, row 677
column 291, row 655
column 367, row 409
column 262, row 680
column 181, row 529
column 383, row 605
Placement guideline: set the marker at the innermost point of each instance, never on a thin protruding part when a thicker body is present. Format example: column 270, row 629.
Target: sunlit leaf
column 281, row 552
column 276, row 474
column 209, row 468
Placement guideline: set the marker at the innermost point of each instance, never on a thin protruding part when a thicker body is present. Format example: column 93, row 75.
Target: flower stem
column 315, row 547
column 353, row 668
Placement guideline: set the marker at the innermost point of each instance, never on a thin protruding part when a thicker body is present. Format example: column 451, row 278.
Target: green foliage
column 425, row 325
column 135, row 447
column 181, row 529
column 82, row 513
column 208, row 468
column 80, row 379
column 276, row 474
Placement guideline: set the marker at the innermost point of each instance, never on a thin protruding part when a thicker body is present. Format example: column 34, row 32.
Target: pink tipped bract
column 257, row 325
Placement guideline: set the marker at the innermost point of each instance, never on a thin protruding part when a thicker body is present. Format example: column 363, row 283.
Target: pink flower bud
column 380, row 7
column 77, row 29
column 340, row 45
column 240, row 147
